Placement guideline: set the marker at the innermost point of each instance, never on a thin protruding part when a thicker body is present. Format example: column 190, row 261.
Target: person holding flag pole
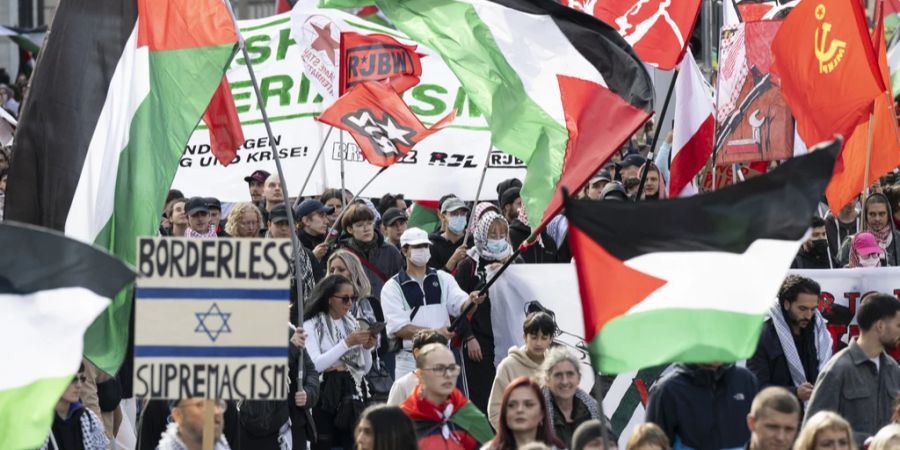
column 295, row 242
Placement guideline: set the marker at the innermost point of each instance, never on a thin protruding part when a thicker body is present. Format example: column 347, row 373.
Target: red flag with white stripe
column 692, row 137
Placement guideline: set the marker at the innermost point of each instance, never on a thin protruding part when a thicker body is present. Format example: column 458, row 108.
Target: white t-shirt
column 326, row 354
column 402, row 389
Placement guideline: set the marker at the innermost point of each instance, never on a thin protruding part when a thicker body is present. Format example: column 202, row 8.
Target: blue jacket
column 705, row 409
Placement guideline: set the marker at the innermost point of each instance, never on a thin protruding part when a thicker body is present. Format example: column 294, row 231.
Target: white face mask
column 872, row 260
column 419, row 256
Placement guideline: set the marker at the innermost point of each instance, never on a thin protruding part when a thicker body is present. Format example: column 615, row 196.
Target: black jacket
column 383, row 257
column 537, row 253
column 769, row 364
column 302, row 416
column 705, row 409
column 805, row 260
column 441, row 250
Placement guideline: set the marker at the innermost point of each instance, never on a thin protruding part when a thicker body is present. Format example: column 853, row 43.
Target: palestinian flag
column 424, row 215
column 560, row 89
column 29, row 41
column 469, row 426
column 694, row 276
column 119, row 89
column 50, row 291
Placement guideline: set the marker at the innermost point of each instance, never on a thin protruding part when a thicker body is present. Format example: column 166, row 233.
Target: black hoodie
column 705, row 409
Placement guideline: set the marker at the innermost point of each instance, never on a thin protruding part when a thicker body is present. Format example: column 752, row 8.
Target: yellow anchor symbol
column 830, row 58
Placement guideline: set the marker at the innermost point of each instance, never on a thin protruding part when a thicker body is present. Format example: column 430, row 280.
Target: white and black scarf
column 171, row 441
column 93, row 434
column 786, row 338
column 353, row 357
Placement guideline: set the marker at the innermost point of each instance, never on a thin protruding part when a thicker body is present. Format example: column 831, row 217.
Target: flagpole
column 662, row 117
column 295, row 242
column 341, row 143
column 480, row 184
column 865, row 186
column 313, row 167
column 358, row 194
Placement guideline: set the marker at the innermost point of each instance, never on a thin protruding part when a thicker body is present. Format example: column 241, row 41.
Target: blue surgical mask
column 457, row 224
column 496, row 246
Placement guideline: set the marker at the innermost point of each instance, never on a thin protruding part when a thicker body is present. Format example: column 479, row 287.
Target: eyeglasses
column 347, row 299
column 450, row 370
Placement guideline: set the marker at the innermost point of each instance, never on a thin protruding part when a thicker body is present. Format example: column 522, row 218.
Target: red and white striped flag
column 692, row 138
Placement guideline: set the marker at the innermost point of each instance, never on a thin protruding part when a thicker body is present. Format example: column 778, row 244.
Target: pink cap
column 865, row 244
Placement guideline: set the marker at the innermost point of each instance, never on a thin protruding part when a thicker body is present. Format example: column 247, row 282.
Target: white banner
column 447, row 162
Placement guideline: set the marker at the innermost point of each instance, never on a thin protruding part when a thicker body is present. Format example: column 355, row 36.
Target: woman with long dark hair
column 383, row 427
column 523, row 418
column 340, row 352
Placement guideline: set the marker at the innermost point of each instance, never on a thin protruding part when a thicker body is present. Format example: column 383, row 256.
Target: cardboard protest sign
column 753, row 120
column 210, row 318
column 449, row 161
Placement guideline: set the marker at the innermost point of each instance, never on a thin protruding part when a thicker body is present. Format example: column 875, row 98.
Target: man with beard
column 794, row 343
column 861, row 382
column 877, row 214
column 631, row 173
column 813, row 253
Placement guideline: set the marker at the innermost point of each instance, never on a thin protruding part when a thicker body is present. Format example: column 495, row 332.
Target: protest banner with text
column 210, row 318
column 447, row 162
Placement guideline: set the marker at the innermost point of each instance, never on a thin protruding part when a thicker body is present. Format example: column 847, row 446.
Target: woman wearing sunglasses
column 340, row 352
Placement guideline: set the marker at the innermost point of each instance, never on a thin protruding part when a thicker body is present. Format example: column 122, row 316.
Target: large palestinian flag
column 560, row 89
column 691, row 279
column 118, row 90
column 51, row 289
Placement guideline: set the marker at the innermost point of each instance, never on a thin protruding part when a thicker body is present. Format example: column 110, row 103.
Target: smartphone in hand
column 376, row 328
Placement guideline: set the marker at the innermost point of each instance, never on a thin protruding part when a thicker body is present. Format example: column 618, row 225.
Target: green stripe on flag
column 519, row 126
column 471, row 419
column 181, row 84
column 24, row 423
column 675, row 335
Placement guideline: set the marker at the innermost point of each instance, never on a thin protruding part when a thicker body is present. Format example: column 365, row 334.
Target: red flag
column 828, row 71
column 282, row 6
column 378, row 57
column 225, row 134
column 380, row 122
column 850, row 167
column 659, row 30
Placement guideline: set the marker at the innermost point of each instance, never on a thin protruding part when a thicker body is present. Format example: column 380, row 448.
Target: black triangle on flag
column 690, row 279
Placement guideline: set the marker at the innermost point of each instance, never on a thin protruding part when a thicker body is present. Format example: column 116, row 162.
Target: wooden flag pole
column 209, row 411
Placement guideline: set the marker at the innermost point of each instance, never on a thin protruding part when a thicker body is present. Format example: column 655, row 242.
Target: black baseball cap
column 392, row 215
column 310, row 206
column 632, row 160
column 278, row 213
column 195, row 205
column 213, row 203
column 614, row 191
column 257, row 175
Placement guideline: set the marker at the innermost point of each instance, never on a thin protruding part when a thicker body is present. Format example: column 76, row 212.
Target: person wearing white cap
column 420, row 297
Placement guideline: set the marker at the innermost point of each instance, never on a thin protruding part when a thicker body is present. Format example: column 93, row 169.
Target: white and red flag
column 659, row 30
column 692, row 137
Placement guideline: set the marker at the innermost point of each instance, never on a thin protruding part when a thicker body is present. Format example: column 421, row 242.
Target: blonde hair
column 822, row 420
column 232, row 225
column 357, row 274
column 886, row 438
column 646, row 434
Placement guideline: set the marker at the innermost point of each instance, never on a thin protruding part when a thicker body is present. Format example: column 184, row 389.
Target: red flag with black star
column 377, row 57
column 380, row 122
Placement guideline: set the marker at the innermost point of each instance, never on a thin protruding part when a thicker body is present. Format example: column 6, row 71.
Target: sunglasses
column 347, row 299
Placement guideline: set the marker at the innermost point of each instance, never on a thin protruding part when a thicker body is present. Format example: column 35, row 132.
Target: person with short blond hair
column 647, row 436
column 773, row 420
column 825, row 430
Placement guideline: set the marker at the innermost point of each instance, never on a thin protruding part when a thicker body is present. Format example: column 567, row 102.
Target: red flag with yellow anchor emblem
column 827, row 68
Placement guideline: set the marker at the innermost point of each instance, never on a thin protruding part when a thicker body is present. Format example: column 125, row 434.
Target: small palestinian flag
column 691, row 279
column 51, row 289
column 120, row 88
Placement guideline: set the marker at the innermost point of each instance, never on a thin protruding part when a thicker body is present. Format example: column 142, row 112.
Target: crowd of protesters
column 395, row 340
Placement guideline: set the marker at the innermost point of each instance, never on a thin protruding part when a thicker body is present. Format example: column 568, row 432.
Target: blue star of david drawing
column 210, row 329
